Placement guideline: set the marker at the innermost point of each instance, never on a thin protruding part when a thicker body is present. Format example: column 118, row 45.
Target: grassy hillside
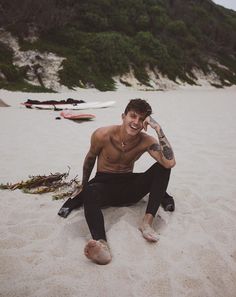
column 104, row 38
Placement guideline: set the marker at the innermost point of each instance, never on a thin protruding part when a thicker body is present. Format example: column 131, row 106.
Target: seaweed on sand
column 39, row 184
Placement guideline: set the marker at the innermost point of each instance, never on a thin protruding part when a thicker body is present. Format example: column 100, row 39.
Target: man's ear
column 123, row 116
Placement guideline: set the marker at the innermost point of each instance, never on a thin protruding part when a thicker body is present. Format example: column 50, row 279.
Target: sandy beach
column 41, row 254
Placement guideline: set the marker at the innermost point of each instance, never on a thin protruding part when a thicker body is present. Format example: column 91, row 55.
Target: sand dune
column 3, row 104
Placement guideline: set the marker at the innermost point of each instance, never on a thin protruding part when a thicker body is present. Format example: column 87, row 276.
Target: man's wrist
column 160, row 133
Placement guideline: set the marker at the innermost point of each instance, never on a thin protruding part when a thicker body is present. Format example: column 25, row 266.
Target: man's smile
column 134, row 128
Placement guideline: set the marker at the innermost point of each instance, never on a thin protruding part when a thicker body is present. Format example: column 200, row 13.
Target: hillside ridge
column 148, row 44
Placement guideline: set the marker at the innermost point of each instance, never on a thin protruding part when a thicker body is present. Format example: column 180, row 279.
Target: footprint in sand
column 216, row 270
column 10, row 265
column 33, row 231
column 12, row 242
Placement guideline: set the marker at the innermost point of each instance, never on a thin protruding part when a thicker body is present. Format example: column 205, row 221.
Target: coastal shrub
column 111, row 52
column 100, row 39
column 74, row 73
column 6, row 53
column 151, row 46
column 141, row 75
column 11, row 72
column 177, row 28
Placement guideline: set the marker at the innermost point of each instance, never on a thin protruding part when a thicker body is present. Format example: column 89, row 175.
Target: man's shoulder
column 104, row 131
column 147, row 136
column 147, row 139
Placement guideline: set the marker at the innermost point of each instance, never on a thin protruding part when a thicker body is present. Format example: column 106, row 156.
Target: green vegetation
column 12, row 77
column 104, row 38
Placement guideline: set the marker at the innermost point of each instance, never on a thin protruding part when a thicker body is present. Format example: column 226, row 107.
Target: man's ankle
column 148, row 219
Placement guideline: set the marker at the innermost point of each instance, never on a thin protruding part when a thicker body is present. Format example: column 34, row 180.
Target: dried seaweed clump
column 39, row 184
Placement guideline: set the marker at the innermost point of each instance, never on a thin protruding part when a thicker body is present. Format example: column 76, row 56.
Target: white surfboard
column 87, row 105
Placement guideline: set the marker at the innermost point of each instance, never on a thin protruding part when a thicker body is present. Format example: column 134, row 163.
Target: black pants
column 121, row 189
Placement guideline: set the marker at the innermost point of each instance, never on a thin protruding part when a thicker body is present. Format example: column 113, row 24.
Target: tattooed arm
column 161, row 151
column 91, row 157
column 89, row 162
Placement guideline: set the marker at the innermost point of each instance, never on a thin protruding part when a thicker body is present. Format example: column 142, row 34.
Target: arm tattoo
column 155, row 147
column 87, row 169
column 161, row 134
column 164, row 146
column 167, row 151
column 162, row 142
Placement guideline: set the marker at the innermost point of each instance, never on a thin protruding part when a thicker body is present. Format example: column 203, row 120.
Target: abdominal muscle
column 118, row 168
column 115, row 161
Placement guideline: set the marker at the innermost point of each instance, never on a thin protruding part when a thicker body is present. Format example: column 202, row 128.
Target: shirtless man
column 116, row 148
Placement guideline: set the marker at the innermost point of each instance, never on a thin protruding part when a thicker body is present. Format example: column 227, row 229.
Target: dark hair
column 140, row 106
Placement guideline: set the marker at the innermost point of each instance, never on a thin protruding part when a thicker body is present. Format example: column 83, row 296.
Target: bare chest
column 121, row 153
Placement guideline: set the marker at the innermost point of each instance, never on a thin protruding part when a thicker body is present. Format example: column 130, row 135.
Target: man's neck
column 124, row 137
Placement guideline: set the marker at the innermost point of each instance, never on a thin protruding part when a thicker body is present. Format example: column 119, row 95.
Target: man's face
column 133, row 122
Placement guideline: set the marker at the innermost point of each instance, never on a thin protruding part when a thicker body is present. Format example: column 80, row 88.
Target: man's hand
column 151, row 122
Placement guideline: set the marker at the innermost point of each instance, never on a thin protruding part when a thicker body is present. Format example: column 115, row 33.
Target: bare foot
column 148, row 233
column 98, row 251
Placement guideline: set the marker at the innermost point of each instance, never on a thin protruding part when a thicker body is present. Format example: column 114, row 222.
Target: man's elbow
column 170, row 164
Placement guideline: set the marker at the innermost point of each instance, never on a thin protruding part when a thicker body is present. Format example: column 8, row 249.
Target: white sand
column 41, row 254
